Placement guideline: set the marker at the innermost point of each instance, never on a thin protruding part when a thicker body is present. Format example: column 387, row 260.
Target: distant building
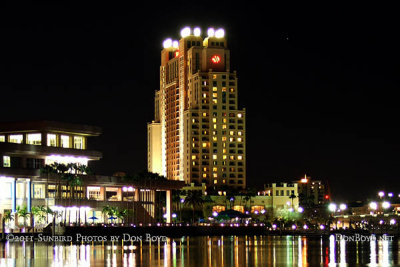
column 199, row 132
column 314, row 192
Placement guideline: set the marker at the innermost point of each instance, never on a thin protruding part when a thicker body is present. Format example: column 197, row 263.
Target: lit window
column 214, row 120
column 205, row 169
column 231, row 139
column 204, row 175
column 239, row 115
column 215, row 95
column 232, row 157
column 204, row 95
column 15, row 138
column 204, row 144
column 204, row 114
column 2, row 138
column 239, row 139
column 34, row 139
column 215, row 89
column 239, row 133
column 215, row 138
column 223, row 138
column 232, row 133
column 224, row 120
column 224, row 157
column 240, row 157
column 224, row 126
column 224, row 150
column 194, row 157
column 215, row 175
column 93, row 193
column 39, row 191
column 215, row 101
column 214, row 76
column 214, row 156
column 51, row 140
column 78, row 142
column 223, row 89
column 6, row 161
column 215, row 126
column 215, row 169
column 215, row 181
column 64, row 141
column 232, row 90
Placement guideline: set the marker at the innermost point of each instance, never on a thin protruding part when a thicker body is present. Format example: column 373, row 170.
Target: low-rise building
column 25, row 148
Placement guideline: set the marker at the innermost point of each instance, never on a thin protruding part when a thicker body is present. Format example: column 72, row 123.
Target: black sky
column 319, row 83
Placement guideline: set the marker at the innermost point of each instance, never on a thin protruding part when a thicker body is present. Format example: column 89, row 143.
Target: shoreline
column 156, row 234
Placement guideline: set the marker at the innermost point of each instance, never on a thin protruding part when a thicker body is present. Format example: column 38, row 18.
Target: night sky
column 319, row 83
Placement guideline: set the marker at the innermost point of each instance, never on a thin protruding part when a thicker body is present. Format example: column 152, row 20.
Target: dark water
column 208, row 251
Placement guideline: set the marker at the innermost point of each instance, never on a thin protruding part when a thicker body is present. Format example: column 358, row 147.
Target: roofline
column 49, row 126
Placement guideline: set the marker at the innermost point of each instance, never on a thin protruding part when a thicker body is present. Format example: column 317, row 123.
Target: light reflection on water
column 207, row 251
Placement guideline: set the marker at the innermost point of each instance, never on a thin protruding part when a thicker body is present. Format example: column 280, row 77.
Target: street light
column 373, row 206
column 386, row 205
column 392, row 222
column 381, row 194
column 215, row 214
column 343, row 206
column 390, row 194
column 332, row 207
column 300, row 209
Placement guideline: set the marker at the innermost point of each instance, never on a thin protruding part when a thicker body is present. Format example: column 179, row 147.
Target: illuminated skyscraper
column 198, row 133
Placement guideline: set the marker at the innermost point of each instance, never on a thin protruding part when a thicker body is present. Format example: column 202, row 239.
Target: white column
column 168, row 205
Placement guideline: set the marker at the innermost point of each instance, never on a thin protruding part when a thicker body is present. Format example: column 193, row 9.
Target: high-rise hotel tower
column 198, row 133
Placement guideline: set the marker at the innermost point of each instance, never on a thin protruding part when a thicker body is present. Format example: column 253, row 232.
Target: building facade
column 199, row 133
column 25, row 148
column 312, row 192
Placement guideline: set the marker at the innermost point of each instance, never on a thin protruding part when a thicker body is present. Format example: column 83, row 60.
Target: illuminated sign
column 216, row 59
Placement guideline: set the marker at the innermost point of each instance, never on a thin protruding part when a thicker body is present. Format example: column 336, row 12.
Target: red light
column 216, row 59
column 326, row 197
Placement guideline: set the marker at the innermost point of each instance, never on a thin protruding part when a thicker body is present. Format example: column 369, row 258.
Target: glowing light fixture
column 300, row 209
column 343, row 206
column 175, row 44
column 373, row 206
column 386, row 205
column 185, row 32
column 167, row 43
column 381, row 194
column 197, row 31
column 220, row 33
column 210, row 32
column 216, row 59
column 332, row 207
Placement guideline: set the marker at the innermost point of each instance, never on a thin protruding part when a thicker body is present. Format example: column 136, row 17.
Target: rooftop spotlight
column 185, row 32
column 167, row 43
column 197, row 31
column 220, row 33
column 210, row 32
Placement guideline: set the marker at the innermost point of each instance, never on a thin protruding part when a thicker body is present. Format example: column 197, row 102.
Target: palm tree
column 292, row 196
column 39, row 212
column 23, row 213
column 121, row 214
column 7, row 217
column 195, row 199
